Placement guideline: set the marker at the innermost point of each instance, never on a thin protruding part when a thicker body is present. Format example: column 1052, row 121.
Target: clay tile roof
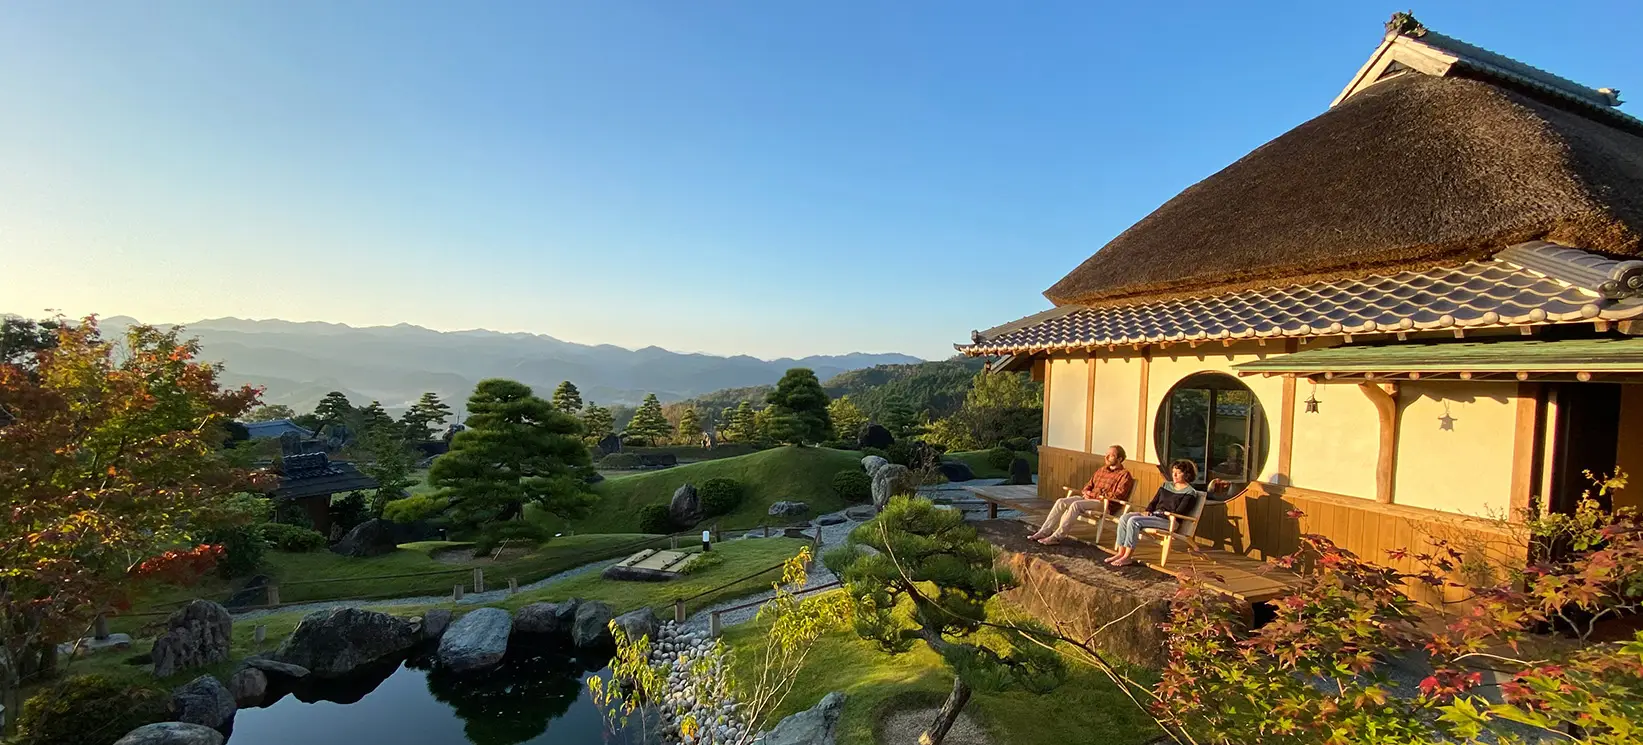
column 1526, row 285
column 1411, row 172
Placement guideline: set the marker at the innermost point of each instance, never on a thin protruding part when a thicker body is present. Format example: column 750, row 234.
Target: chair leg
column 1163, row 559
column 1100, row 524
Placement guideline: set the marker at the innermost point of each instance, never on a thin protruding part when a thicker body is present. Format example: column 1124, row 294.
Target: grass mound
column 770, row 476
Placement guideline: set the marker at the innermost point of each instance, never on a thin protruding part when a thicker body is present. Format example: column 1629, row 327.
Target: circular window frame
column 1214, row 380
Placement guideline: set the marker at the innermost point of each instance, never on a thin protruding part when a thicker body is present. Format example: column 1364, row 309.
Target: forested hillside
column 938, row 387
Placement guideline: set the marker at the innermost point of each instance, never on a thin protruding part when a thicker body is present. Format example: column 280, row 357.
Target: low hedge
column 853, row 485
column 721, row 496
column 88, row 710
column 292, row 538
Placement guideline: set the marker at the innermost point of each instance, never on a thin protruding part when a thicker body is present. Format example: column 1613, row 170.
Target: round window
column 1215, row 421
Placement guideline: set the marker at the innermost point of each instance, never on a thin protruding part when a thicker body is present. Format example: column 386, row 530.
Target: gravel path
column 471, row 598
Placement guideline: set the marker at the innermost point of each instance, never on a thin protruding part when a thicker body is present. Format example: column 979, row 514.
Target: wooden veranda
column 1247, row 579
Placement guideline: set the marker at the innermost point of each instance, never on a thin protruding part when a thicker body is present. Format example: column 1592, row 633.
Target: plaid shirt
column 1114, row 483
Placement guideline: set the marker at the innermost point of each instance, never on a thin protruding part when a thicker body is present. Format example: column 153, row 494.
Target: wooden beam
column 1286, row 417
column 1044, row 426
column 1386, row 464
column 1523, row 451
column 1141, row 406
column 1089, row 406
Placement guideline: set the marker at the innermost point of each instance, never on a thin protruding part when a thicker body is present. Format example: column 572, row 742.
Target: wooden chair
column 1183, row 527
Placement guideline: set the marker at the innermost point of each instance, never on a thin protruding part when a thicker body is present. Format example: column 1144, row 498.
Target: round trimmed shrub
column 292, row 538
column 655, row 518
column 1016, row 444
column 88, row 710
column 853, row 485
column 414, row 508
column 720, row 496
column 621, row 462
column 1000, row 458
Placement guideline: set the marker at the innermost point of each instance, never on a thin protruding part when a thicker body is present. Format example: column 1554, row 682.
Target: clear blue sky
column 770, row 178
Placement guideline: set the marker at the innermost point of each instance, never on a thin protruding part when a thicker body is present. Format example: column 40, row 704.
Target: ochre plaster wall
column 1466, row 468
column 1069, row 400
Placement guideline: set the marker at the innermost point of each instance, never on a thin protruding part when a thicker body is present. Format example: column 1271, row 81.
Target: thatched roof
column 1407, row 173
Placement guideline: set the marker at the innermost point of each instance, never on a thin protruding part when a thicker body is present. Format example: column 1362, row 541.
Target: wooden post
column 273, row 591
column 259, row 634
column 767, row 530
column 513, row 585
column 99, row 627
column 1386, row 465
column 718, row 535
column 479, row 580
column 713, row 625
column 992, row 510
column 679, row 610
column 456, row 593
column 1141, row 407
column 673, row 542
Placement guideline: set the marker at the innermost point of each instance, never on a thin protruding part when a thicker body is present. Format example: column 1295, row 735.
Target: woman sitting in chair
column 1178, row 497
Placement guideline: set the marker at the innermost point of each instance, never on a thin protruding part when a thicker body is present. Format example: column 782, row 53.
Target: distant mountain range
column 298, row 363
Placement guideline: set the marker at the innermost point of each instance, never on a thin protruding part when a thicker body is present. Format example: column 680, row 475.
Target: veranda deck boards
column 1248, row 579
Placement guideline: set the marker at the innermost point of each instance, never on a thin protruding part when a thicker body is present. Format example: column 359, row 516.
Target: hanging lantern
column 1312, row 399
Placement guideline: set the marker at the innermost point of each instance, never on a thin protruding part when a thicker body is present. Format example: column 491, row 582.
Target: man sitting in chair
column 1178, row 497
column 1111, row 481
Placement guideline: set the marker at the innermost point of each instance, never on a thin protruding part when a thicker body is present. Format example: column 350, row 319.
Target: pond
column 538, row 695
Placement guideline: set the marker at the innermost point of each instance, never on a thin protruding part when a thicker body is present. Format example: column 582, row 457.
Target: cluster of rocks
column 479, row 640
column 377, row 536
column 696, row 688
column 889, row 479
column 196, row 635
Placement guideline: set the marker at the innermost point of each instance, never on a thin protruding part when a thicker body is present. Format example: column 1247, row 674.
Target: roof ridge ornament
column 1404, row 24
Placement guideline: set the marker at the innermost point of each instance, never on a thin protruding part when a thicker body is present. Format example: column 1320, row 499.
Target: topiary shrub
column 720, row 496
column 414, row 509
column 88, row 710
column 621, row 462
column 655, row 518
column 1000, row 458
column 853, row 485
column 292, row 538
column 515, row 533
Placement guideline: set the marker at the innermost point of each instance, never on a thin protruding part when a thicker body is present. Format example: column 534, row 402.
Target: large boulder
column 271, row 666
column 814, row 726
column 373, row 537
column 1021, row 472
column 638, row 624
column 954, row 470
column 686, row 507
column 435, row 622
column 540, row 618
column 592, row 625
column 611, row 443
column 196, row 635
column 476, row 641
column 891, row 480
column 789, row 509
column 333, row 643
column 248, row 686
column 254, row 592
column 875, row 436
column 172, row 733
column 204, row 701
column 872, row 463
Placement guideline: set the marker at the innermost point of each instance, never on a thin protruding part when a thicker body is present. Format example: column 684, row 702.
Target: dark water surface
column 538, row 695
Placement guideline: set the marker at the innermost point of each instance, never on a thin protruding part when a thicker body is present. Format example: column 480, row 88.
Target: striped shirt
column 1113, row 483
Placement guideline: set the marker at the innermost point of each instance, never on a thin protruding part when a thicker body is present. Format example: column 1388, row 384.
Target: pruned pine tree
column 425, row 417
column 738, row 424
column 649, row 424
column 596, row 422
column 334, row 409
column 517, row 450
column 799, row 409
column 690, row 427
column 373, row 418
column 928, row 580
column 567, row 398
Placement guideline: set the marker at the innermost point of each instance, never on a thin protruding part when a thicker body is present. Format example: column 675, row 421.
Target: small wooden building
column 310, row 479
column 1415, row 310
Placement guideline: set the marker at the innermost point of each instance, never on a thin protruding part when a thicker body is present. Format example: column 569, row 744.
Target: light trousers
column 1130, row 525
column 1066, row 511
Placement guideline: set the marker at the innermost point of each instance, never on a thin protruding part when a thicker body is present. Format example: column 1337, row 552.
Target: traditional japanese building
column 1416, row 310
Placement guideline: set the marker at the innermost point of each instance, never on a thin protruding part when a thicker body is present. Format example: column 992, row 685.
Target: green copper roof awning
column 1575, row 359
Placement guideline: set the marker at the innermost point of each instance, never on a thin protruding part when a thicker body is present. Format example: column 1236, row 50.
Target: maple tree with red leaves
column 1318, row 671
column 110, row 457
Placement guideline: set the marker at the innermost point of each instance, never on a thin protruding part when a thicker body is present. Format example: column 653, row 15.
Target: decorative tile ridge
column 1609, row 279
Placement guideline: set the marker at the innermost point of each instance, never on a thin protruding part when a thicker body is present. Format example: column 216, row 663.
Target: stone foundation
column 1069, row 588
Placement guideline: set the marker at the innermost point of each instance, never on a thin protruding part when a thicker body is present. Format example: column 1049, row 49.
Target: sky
column 755, row 177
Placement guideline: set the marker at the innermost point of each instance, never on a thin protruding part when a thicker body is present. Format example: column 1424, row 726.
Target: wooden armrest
column 1173, row 517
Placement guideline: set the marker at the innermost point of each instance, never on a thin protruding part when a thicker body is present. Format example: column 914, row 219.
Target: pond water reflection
column 537, row 695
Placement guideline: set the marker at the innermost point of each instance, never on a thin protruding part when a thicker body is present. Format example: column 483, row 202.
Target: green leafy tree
column 596, row 422
column 270, row 413
column 334, row 409
column 566, row 398
column 740, row 424
column 21, row 338
column 999, row 406
column 425, row 417
column 763, row 422
column 517, row 449
column 799, row 409
column 898, row 417
column 929, row 579
column 690, row 427
column 649, row 424
column 846, row 417
column 390, row 465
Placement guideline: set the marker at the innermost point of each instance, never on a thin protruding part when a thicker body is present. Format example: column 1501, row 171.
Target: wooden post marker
column 713, row 625
column 273, row 593
column 456, row 593
column 479, row 580
column 679, row 610
column 513, row 585
column 260, row 634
